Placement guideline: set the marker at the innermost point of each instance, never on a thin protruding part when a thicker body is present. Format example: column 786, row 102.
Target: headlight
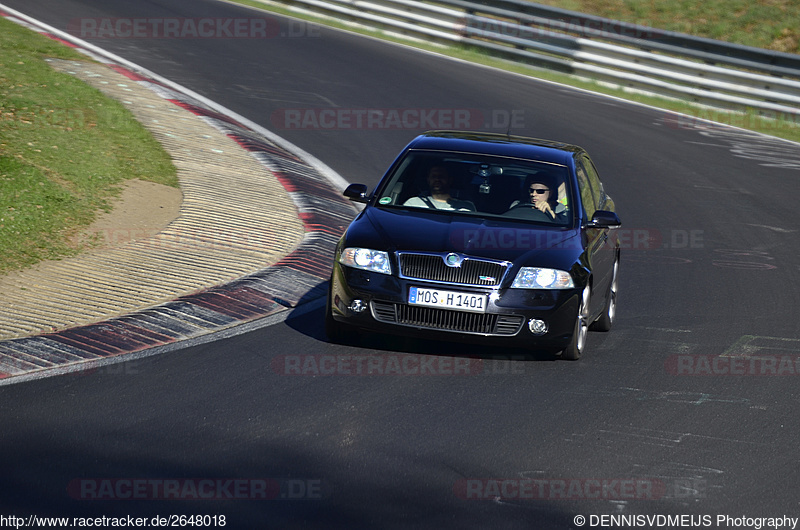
column 537, row 278
column 367, row 259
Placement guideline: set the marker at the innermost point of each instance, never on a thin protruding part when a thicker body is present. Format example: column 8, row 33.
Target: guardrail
column 632, row 56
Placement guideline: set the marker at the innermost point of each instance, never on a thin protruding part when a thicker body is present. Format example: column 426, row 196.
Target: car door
column 600, row 249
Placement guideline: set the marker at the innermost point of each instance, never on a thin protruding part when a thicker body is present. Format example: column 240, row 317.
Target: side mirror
column 604, row 219
column 356, row 192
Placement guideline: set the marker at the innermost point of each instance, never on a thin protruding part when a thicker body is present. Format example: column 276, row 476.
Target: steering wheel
column 527, row 211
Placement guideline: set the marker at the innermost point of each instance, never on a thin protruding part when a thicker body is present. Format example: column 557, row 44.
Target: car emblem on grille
column 453, row 260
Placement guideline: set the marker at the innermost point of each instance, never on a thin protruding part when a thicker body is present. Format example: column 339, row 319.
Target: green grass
column 770, row 24
column 732, row 20
column 65, row 150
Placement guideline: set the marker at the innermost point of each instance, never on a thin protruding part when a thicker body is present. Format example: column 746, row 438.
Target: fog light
column 357, row 306
column 537, row 327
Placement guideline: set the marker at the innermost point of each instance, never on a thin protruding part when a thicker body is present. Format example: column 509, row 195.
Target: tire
column 336, row 332
column 577, row 343
column 606, row 319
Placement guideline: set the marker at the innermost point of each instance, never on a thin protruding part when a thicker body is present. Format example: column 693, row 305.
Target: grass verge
column 781, row 127
column 65, row 150
column 769, row 24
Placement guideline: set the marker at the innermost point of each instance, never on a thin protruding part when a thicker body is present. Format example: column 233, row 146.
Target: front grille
column 508, row 324
column 446, row 320
column 384, row 312
column 432, row 267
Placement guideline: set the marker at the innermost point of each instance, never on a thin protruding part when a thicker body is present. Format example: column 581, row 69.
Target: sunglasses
column 538, row 190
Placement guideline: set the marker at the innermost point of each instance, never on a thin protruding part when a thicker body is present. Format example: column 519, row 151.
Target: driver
column 439, row 182
column 540, row 194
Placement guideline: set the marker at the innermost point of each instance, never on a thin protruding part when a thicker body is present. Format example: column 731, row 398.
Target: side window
column 594, row 181
column 588, row 197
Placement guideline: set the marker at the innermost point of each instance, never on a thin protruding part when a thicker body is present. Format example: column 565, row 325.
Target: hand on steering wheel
column 545, row 207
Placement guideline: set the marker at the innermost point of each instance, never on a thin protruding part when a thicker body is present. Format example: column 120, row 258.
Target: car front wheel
column 337, row 332
column 577, row 343
column 610, row 311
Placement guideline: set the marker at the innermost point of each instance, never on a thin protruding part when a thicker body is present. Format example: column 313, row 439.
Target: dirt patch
column 142, row 210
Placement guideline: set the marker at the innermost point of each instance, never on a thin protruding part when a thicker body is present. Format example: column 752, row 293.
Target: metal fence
column 627, row 55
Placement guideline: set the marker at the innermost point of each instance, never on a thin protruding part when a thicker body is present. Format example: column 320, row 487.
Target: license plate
column 447, row 299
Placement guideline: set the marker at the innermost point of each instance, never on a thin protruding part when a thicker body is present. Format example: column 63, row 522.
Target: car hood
column 415, row 230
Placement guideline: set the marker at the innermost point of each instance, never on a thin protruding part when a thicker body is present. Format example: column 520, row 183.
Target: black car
column 478, row 236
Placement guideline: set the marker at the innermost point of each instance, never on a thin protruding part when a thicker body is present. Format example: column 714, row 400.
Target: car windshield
column 483, row 185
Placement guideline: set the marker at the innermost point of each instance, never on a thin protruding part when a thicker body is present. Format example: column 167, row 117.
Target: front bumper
column 385, row 309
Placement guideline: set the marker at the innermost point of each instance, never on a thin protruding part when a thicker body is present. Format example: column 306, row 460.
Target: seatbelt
column 427, row 201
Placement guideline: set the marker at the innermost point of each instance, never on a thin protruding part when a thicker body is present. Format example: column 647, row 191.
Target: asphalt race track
column 687, row 407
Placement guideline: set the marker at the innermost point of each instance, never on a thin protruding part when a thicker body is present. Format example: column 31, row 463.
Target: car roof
column 496, row 144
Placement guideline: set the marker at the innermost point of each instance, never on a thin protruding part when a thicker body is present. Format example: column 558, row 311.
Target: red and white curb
column 298, row 278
